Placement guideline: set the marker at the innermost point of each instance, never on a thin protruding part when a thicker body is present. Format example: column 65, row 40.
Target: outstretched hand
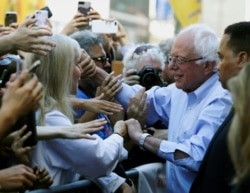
column 110, row 87
column 98, row 105
column 82, row 130
column 21, row 153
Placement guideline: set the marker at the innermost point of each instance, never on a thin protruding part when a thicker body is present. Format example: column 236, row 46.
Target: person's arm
column 78, row 22
column 76, row 131
column 102, row 154
column 87, row 116
column 95, row 105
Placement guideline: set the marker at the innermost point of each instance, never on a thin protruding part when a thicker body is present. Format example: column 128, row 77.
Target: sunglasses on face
column 102, row 60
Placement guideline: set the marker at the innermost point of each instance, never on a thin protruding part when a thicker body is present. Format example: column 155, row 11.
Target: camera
column 149, row 77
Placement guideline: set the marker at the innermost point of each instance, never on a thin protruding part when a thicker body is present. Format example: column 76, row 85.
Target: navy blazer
column 216, row 170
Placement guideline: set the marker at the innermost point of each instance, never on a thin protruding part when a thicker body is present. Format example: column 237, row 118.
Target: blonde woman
column 239, row 134
column 67, row 159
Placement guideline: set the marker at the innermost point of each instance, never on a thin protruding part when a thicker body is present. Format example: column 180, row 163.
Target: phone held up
column 84, row 7
column 50, row 14
column 34, row 66
column 29, row 119
column 102, row 26
column 10, row 17
column 41, row 16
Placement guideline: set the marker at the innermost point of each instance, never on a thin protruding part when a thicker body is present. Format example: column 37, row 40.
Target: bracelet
column 142, row 140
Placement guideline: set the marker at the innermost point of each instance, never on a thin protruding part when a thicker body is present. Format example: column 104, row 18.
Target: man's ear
column 209, row 67
column 243, row 57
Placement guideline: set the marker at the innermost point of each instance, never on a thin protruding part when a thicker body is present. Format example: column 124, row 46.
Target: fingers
column 43, row 175
column 21, row 78
column 20, row 131
column 88, row 66
column 111, row 85
column 37, row 89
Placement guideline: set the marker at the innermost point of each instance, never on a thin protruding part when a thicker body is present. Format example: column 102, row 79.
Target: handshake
column 131, row 129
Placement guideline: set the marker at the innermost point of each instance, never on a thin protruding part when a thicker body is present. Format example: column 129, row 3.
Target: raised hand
column 19, row 98
column 21, row 153
column 110, row 87
column 131, row 77
column 138, row 107
column 22, row 96
column 32, row 39
column 78, row 22
column 97, row 105
column 88, row 65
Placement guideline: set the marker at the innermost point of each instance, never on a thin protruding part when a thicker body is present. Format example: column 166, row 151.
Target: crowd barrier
column 83, row 186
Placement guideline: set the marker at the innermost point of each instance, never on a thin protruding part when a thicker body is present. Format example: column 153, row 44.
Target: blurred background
column 144, row 20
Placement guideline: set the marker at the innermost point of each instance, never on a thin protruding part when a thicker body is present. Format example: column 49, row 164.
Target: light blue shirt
column 192, row 118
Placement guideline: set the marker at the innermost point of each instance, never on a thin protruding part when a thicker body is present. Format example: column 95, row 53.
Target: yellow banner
column 22, row 7
column 186, row 11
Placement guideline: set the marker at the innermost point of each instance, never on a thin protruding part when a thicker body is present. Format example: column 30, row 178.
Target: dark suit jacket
column 216, row 170
column 244, row 187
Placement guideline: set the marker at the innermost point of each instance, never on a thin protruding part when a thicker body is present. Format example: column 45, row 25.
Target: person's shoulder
column 56, row 118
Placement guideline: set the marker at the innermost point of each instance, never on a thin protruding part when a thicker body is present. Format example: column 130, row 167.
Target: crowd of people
column 178, row 112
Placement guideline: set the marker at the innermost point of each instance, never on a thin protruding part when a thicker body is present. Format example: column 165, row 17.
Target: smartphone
column 10, row 17
column 84, row 7
column 3, row 78
column 34, row 66
column 30, row 121
column 102, row 26
column 50, row 14
column 41, row 16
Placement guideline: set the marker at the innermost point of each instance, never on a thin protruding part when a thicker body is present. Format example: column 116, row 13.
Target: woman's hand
column 43, row 177
column 21, row 153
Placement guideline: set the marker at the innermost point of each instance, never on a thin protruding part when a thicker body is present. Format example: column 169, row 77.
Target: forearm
column 100, row 76
column 6, row 44
column 76, row 103
column 7, row 120
column 152, row 144
column 49, row 132
column 87, row 116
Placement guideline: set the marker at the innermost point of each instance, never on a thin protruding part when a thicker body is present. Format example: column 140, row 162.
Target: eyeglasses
column 180, row 61
column 102, row 60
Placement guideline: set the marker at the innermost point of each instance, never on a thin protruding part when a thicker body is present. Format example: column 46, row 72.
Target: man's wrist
column 142, row 140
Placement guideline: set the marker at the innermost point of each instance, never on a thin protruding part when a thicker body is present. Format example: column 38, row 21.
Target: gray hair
column 166, row 46
column 205, row 42
column 86, row 39
column 131, row 59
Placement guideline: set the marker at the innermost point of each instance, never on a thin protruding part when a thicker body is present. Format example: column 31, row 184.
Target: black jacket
column 216, row 171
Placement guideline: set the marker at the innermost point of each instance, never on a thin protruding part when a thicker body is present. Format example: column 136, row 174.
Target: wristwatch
column 142, row 140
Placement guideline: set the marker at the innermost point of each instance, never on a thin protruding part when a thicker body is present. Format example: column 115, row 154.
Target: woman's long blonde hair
column 239, row 134
column 56, row 75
